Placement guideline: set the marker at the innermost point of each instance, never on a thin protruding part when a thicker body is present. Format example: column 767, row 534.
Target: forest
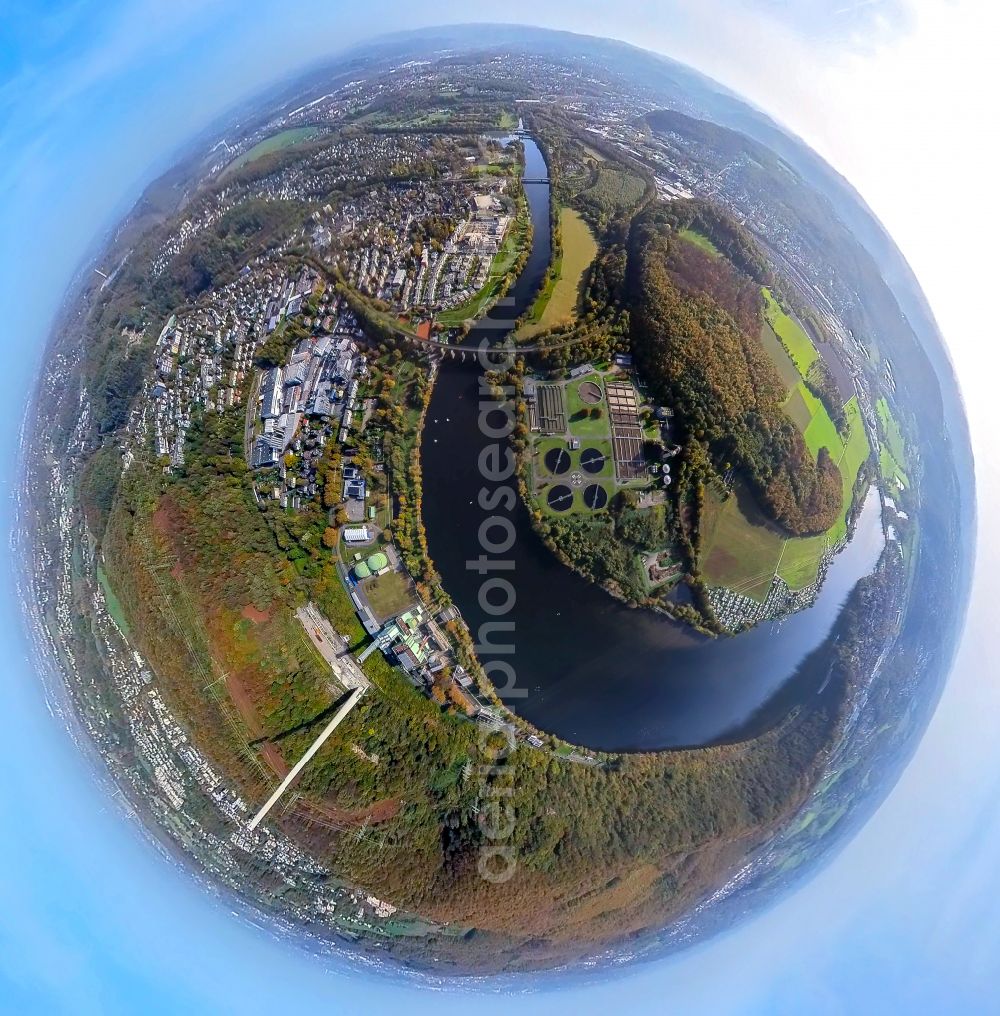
column 666, row 824
column 209, row 582
column 722, row 385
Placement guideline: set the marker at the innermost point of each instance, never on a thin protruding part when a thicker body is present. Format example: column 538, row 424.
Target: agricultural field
column 892, row 454
column 800, row 347
column 740, row 549
column 797, row 407
column 821, row 431
column 557, row 303
column 779, row 357
column 283, row 139
column 736, row 552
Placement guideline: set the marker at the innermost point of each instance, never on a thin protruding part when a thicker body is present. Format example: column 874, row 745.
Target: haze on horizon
column 855, row 85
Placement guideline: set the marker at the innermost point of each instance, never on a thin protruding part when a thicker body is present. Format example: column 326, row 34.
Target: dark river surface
column 590, row 669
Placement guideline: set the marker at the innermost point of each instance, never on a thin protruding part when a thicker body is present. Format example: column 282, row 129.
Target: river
column 596, row 672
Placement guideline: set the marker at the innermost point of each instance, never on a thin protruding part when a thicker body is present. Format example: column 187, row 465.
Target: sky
column 95, row 97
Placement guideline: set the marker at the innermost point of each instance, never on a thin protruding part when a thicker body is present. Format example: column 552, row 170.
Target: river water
column 594, row 671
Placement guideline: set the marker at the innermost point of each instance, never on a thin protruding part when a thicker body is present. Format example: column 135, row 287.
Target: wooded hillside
column 722, row 385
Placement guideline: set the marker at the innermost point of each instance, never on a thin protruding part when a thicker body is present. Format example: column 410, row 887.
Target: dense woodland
column 723, row 386
column 661, row 825
column 209, row 582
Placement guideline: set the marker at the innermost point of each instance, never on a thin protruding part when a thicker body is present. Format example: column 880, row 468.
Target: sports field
column 556, row 304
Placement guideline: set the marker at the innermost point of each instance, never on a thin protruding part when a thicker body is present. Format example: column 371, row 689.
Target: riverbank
column 597, row 672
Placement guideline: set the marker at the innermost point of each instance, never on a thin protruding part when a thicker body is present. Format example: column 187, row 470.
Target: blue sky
column 96, row 96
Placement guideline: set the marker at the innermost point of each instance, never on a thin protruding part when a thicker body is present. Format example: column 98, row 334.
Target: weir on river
column 592, row 670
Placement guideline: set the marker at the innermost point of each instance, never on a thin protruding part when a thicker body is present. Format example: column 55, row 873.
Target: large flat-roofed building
column 357, row 534
column 272, row 394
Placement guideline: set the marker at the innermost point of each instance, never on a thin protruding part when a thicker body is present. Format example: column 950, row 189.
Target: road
column 251, row 414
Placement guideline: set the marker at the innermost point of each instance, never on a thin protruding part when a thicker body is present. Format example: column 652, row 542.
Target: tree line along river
column 592, row 670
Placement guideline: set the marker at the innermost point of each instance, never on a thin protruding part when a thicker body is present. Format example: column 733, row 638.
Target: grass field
column 557, row 303
column 892, row 454
column 791, row 334
column 283, row 139
column 111, row 601
column 586, row 426
column 737, row 553
column 388, row 594
column 779, row 356
column 496, row 169
column 699, row 240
